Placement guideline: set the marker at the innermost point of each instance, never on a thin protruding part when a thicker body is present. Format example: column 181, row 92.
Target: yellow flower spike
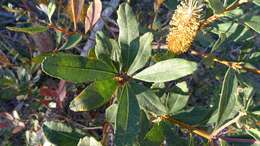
column 184, row 26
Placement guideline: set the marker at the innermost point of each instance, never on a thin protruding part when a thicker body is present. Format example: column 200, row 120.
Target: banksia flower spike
column 184, row 26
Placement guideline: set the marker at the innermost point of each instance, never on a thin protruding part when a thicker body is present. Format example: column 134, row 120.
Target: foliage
column 128, row 89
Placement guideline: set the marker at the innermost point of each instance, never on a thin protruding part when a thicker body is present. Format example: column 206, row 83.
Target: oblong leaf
column 128, row 25
column 76, row 68
column 94, row 96
column 228, row 97
column 127, row 119
column 30, row 30
column 61, row 134
column 72, row 41
column 167, row 70
column 216, row 5
column 148, row 100
column 143, row 54
column 254, row 23
column 89, row 141
column 128, row 34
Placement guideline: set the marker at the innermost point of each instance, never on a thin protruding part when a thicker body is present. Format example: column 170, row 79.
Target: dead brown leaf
column 93, row 14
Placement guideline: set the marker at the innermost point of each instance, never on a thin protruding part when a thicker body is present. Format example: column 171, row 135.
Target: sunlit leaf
column 167, row 70
column 76, row 68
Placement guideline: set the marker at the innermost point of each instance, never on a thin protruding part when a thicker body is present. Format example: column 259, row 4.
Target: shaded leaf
column 167, row 70
column 193, row 116
column 61, row 134
column 94, row 96
column 71, row 41
column 111, row 112
column 51, row 9
column 216, row 5
column 163, row 131
column 30, row 30
column 177, row 100
column 103, row 46
column 76, row 68
column 228, row 96
column 254, row 23
column 127, row 119
column 257, row 2
column 254, row 132
column 148, row 100
column 93, row 14
column 143, row 54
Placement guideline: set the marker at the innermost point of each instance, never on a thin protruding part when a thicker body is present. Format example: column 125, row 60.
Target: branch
column 215, row 17
column 215, row 133
column 99, row 25
column 231, row 64
column 194, row 130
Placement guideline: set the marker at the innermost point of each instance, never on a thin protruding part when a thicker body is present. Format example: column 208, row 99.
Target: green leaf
column 128, row 25
column 71, row 41
column 167, row 70
column 177, row 100
column 194, row 116
column 216, row 5
column 170, row 4
column 103, row 46
column 163, row 131
column 111, row 112
column 147, row 100
column 116, row 51
column 107, row 48
column 254, row 132
column 38, row 59
column 257, row 2
column 254, row 23
column 94, row 96
column 76, row 68
column 61, row 134
column 143, row 54
column 127, row 119
column 219, row 42
column 30, row 30
column 145, row 125
column 155, row 136
column 228, row 97
column 128, row 34
column 51, row 9
column 89, row 141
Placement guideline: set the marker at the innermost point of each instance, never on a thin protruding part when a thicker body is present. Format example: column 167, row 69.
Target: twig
column 231, row 64
column 194, row 130
column 215, row 17
column 215, row 133
column 240, row 140
column 61, row 30
column 99, row 25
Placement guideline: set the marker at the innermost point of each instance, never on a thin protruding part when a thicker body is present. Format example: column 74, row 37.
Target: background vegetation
column 90, row 73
